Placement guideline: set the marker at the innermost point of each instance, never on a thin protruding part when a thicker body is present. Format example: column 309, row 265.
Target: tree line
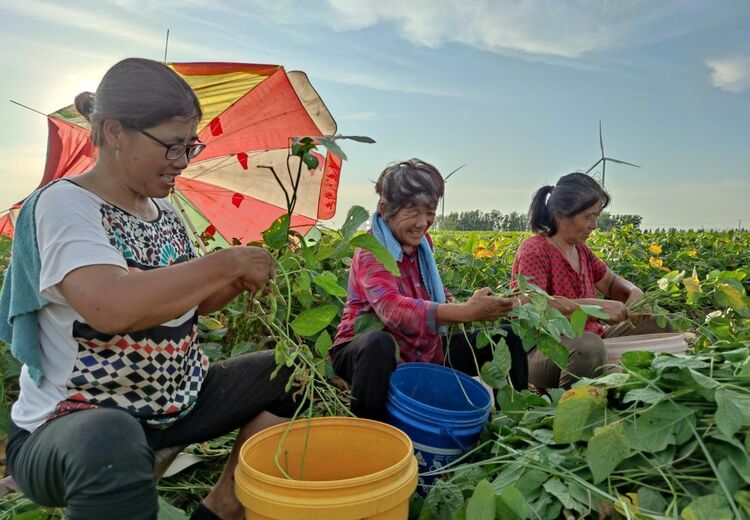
column 495, row 220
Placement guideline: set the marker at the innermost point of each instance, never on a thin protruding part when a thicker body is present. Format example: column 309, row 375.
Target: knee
column 587, row 354
column 110, row 440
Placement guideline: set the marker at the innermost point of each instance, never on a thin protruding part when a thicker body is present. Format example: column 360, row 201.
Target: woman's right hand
column 484, row 306
column 617, row 311
column 255, row 266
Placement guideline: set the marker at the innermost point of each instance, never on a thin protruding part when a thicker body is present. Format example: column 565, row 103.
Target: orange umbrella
column 251, row 113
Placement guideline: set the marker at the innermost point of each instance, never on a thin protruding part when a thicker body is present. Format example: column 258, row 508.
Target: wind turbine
column 445, row 181
column 603, row 160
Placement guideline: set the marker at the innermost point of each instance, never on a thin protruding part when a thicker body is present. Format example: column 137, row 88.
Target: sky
column 513, row 90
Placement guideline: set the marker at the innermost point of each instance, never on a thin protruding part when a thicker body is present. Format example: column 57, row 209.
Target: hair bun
column 84, row 103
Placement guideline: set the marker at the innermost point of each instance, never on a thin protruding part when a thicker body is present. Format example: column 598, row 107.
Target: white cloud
column 553, row 28
column 731, row 74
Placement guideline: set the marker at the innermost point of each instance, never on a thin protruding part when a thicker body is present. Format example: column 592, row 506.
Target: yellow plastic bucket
column 341, row 469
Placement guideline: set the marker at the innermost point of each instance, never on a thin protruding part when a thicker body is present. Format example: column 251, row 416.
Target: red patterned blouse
column 546, row 267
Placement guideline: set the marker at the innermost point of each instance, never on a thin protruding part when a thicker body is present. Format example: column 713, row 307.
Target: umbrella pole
column 189, row 223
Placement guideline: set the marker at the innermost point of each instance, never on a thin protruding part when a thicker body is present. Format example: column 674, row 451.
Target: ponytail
column 540, row 218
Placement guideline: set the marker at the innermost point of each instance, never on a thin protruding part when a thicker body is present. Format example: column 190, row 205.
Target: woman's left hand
column 635, row 295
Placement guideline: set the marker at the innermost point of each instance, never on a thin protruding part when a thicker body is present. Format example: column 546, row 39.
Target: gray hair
column 139, row 93
column 409, row 183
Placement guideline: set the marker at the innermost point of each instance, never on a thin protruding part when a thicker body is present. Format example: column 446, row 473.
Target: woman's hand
column 256, row 267
column 617, row 311
column 634, row 295
column 484, row 306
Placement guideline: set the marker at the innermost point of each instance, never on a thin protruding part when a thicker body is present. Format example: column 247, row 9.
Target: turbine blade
column 620, row 162
column 595, row 165
column 601, row 141
column 451, row 173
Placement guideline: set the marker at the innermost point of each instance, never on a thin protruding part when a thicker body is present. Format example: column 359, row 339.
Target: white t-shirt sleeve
column 70, row 234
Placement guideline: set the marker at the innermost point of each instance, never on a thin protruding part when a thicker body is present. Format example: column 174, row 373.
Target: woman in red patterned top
column 415, row 306
column 558, row 260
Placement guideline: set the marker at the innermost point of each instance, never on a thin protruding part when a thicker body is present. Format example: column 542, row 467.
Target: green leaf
column 169, row 512
column 732, row 411
column 212, row 350
column 554, row 350
column 379, row 251
column 495, row 372
column 579, row 411
column 606, row 449
column 281, row 352
column 242, row 348
column 578, row 321
column 330, row 143
column 637, row 359
column 650, row 501
column 312, row 321
column 277, row 236
column 644, row 395
column 367, row 321
column 659, row 426
column 481, row 505
column 310, row 161
column 713, row 506
column 742, row 498
column 531, row 481
column 36, row 514
column 703, row 385
column 323, row 344
column 594, row 311
column 483, row 339
column 356, row 217
column 559, row 490
column 358, row 138
column 443, row 500
column 207, row 323
column 511, row 504
column 330, row 284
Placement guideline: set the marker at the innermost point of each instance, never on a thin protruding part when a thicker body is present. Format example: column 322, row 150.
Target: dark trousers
column 99, row 462
column 368, row 361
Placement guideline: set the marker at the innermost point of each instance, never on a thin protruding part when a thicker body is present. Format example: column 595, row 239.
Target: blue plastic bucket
column 442, row 410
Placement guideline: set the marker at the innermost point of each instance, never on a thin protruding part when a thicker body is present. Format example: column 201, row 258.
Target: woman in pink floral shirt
column 413, row 307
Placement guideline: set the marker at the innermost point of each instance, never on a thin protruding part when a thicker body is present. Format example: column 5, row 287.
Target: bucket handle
column 449, row 432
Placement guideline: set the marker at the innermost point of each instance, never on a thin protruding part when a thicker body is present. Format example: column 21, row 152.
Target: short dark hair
column 572, row 194
column 139, row 93
column 409, row 183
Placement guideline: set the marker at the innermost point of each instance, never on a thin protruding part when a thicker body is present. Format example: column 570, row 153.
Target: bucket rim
column 349, row 423
column 464, row 415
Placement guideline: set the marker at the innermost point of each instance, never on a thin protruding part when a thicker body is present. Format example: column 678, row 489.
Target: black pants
column 99, row 463
column 368, row 361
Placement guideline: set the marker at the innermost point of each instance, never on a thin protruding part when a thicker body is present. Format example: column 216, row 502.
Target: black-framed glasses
column 177, row 150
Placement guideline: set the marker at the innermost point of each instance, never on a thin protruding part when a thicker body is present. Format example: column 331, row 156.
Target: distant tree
column 609, row 221
column 514, row 221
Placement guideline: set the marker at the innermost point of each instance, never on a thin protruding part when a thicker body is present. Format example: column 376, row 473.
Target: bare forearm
column 568, row 306
column 143, row 299
column 448, row 313
column 219, row 299
column 624, row 291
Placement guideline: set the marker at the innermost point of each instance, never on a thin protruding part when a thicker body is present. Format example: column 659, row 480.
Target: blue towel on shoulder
column 20, row 299
column 427, row 266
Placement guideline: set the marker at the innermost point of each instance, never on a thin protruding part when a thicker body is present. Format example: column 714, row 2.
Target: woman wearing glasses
column 120, row 373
